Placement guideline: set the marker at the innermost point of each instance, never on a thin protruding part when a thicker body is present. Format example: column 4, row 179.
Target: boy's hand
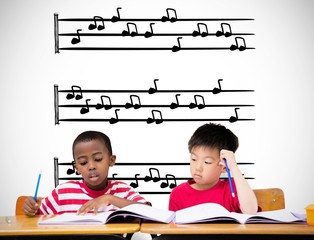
column 230, row 158
column 30, row 207
column 94, row 204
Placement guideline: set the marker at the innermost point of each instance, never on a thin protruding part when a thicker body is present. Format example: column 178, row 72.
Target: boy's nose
column 199, row 166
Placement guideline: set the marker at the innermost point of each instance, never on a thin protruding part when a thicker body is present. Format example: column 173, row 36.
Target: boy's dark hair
column 214, row 136
column 93, row 135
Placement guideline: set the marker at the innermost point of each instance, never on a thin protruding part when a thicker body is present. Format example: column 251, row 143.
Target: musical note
column 85, row 109
column 150, row 33
column 234, row 118
column 217, row 90
column 196, row 104
column 135, row 184
column 72, row 95
column 158, row 120
column 226, row 33
column 128, row 32
column 173, row 18
column 175, row 104
column 166, row 184
column 241, row 47
column 150, row 177
column 93, row 26
column 102, row 105
column 116, row 18
column 199, row 32
column 176, row 48
column 73, row 170
column 78, row 39
column 116, row 119
column 136, row 105
column 114, row 175
column 153, row 90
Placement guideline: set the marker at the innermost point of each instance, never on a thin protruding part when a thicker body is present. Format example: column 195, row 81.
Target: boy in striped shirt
column 92, row 153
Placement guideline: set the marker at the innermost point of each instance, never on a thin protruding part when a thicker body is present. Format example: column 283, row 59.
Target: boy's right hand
column 30, row 207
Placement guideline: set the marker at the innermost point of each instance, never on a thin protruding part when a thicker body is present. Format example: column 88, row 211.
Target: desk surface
column 23, row 225
column 227, row 228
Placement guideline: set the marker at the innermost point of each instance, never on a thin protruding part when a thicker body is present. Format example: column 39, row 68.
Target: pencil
column 229, row 178
column 37, row 186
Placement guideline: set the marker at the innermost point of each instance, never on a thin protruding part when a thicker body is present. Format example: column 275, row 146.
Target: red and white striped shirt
column 70, row 196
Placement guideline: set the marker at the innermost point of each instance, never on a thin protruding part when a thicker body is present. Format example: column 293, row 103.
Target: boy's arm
column 246, row 196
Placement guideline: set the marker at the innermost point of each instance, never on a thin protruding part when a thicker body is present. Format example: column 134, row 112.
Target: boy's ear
column 112, row 160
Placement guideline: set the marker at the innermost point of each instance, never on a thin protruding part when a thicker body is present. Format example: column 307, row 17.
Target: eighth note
column 166, row 184
column 116, row 18
column 150, row 177
column 102, row 105
column 168, row 18
column 199, row 33
column 226, row 33
column 116, row 119
column 239, row 46
column 72, row 95
column 128, row 32
column 176, row 48
column 217, row 90
column 78, row 39
column 136, row 105
column 153, row 90
column 234, row 118
column 158, row 120
column 100, row 27
column 174, row 105
column 150, row 33
column 135, row 184
column 85, row 109
column 73, row 170
column 196, row 104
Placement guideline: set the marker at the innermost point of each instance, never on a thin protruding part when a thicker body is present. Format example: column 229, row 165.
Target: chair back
column 18, row 206
column 270, row 198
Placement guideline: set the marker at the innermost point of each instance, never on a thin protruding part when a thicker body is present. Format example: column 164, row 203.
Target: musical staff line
column 151, row 164
column 147, row 48
column 110, row 120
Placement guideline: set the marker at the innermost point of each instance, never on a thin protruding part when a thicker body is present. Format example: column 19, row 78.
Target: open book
column 207, row 212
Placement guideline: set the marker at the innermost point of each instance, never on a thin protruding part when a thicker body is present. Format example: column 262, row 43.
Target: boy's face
column 92, row 161
column 204, row 167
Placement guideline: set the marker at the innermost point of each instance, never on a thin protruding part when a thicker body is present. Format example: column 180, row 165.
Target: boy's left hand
column 230, row 158
column 94, row 205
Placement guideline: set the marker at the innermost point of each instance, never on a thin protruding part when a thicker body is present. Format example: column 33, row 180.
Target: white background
column 280, row 70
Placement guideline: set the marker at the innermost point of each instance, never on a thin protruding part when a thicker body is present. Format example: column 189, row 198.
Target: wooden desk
column 27, row 226
column 239, row 231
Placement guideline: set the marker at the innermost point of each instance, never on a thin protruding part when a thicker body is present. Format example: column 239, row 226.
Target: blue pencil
column 37, row 186
column 229, row 178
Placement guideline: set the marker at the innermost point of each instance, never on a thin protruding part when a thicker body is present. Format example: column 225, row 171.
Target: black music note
column 166, row 184
column 135, row 184
column 150, row 177
column 116, row 119
column 116, row 18
column 128, row 32
column 239, row 46
column 153, row 119
column 150, row 33
column 234, row 118
column 153, row 90
column 173, row 18
column 176, row 48
column 72, row 95
column 73, row 170
column 136, row 105
column 92, row 26
column 85, row 109
column 217, row 90
column 199, row 32
column 114, row 175
column 196, row 104
column 78, row 39
column 224, row 32
column 102, row 105
column 174, row 105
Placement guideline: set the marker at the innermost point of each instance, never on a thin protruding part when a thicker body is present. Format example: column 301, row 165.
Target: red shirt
column 184, row 196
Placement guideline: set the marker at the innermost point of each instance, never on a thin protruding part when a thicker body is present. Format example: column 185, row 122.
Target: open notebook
column 207, row 212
